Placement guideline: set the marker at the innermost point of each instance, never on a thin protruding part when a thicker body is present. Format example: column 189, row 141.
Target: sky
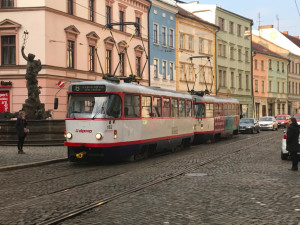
column 287, row 12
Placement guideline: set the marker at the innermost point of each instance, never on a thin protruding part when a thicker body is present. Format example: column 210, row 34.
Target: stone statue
column 33, row 107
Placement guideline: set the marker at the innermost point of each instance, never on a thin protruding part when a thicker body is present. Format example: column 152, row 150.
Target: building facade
column 162, row 43
column 64, row 36
column 233, row 53
column 195, row 59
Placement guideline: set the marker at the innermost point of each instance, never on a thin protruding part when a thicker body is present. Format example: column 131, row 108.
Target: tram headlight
column 69, row 135
column 98, row 136
column 115, row 134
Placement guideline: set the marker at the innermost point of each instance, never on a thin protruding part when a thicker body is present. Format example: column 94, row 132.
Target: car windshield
column 266, row 119
column 280, row 118
column 94, row 106
column 246, row 120
column 297, row 116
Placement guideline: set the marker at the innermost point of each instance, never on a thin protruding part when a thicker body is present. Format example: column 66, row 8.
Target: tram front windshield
column 94, row 106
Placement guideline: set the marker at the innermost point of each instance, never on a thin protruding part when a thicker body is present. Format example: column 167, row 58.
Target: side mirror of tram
column 55, row 103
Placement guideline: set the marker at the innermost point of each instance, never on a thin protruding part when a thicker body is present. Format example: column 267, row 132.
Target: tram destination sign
column 88, row 88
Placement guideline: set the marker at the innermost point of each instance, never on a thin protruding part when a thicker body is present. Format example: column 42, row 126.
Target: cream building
column 64, row 34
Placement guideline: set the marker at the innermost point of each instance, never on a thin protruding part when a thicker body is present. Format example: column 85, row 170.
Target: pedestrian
column 22, row 131
column 292, row 145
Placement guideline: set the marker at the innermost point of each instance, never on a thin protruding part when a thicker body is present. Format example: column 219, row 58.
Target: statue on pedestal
column 33, row 107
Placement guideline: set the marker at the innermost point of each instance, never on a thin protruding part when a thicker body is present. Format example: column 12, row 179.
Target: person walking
column 292, row 145
column 22, row 131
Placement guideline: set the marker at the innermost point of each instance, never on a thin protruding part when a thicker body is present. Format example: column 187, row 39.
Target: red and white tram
column 117, row 120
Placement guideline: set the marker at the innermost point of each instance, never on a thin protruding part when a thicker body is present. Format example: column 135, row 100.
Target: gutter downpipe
column 251, row 71
column 149, row 52
column 216, row 59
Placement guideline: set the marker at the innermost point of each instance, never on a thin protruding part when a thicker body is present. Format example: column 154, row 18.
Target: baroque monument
column 33, row 107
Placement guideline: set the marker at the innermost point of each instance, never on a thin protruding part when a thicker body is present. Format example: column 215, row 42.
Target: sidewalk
column 35, row 155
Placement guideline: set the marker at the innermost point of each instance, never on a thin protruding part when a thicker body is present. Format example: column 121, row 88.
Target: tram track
column 77, row 211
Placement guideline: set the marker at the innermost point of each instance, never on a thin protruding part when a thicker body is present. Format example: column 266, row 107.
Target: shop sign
column 4, row 101
column 5, row 83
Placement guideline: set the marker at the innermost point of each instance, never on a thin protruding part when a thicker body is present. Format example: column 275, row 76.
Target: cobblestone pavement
column 252, row 186
column 9, row 154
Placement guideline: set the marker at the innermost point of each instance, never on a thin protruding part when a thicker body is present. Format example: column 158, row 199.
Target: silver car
column 284, row 152
column 268, row 123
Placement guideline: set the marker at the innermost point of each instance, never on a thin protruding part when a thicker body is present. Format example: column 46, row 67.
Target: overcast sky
column 286, row 10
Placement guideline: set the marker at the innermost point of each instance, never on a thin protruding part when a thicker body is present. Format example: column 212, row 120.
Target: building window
column 7, row 3
column 70, row 53
column 92, row 10
column 282, row 67
column 263, row 86
column 138, row 21
column 70, row 7
column 270, row 86
column 232, row 79
column 171, row 71
column 164, row 36
column 231, row 52
column 224, row 79
column 239, row 30
column 220, row 78
column 201, row 46
column 181, row 42
column 155, row 67
column 209, row 47
column 283, row 87
column 247, row 56
column 138, row 65
column 256, row 85
column 171, row 41
column 8, row 50
column 247, row 82
column 240, row 54
column 92, row 58
column 231, row 27
column 221, row 23
column 270, row 64
column 155, row 33
column 240, row 81
column 262, row 65
column 182, row 75
column 278, row 69
column 122, row 64
column 108, row 14
column 255, row 64
column 164, row 69
column 121, row 17
column 108, row 61
column 190, row 43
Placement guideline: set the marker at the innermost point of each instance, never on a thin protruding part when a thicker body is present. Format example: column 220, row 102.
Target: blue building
column 162, row 46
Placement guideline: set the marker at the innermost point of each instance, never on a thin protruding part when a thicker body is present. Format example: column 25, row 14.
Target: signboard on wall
column 4, row 101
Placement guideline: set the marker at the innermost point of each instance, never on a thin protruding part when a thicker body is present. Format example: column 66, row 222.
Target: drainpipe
column 251, row 72
column 149, row 52
column 216, row 56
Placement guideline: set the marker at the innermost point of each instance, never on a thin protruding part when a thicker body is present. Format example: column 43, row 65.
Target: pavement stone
column 35, row 155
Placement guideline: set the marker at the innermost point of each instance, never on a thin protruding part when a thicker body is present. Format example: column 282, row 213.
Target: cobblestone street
column 249, row 186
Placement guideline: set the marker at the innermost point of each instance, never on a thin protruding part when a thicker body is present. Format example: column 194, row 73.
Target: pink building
column 64, row 34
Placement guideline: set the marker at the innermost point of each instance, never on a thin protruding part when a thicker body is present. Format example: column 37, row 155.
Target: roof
column 293, row 39
column 263, row 50
column 190, row 15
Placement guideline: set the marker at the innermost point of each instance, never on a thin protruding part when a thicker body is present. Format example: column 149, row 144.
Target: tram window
column 166, row 107
column 156, row 107
column 209, row 110
column 94, row 106
column 226, row 110
column 181, row 108
column 174, row 108
column 216, row 110
column 188, row 108
column 200, row 110
column 132, row 106
column 146, row 107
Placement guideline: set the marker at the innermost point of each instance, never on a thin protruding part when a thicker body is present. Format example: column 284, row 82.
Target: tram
column 119, row 120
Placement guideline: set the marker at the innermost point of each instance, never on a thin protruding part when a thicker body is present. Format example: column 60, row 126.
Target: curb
column 27, row 165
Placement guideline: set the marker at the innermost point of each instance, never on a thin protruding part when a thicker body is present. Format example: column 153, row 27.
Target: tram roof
column 214, row 99
column 132, row 88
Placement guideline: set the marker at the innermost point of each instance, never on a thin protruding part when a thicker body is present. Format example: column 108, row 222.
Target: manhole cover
column 196, row 174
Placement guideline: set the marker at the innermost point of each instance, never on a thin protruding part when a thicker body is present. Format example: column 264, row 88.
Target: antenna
column 277, row 17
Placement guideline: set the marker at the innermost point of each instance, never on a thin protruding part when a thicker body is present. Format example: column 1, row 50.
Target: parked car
column 268, row 123
column 297, row 117
column 284, row 152
column 282, row 120
column 249, row 125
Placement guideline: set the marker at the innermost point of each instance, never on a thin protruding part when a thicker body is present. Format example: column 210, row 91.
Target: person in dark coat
column 292, row 144
column 21, row 131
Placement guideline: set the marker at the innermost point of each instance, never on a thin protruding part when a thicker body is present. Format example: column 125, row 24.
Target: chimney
column 285, row 32
column 265, row 27
column 296, row 37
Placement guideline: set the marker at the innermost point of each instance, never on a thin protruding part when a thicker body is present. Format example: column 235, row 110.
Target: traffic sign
column 61, row 83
